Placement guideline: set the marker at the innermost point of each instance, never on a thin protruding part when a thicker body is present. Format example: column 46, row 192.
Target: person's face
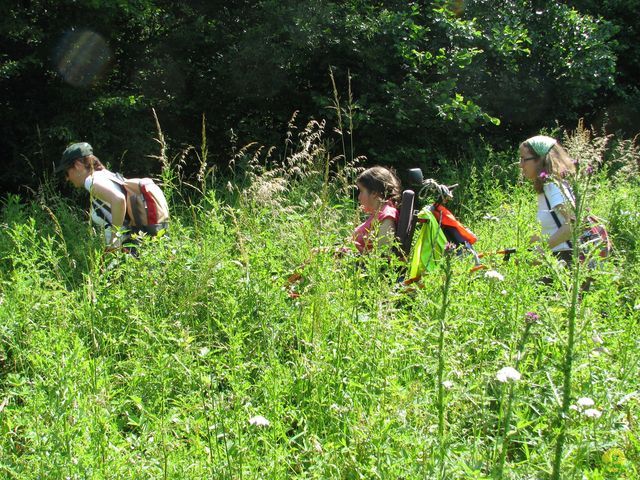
column 76, row 174
column 369, row 201
column 529, row 163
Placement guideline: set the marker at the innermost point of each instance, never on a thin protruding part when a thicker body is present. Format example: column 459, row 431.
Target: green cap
column 72, row 153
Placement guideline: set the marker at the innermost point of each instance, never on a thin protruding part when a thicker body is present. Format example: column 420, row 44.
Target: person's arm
column 386, row 232
column 105, row 190
column 563, row 233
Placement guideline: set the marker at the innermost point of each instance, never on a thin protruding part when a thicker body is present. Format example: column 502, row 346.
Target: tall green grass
column 193, row 361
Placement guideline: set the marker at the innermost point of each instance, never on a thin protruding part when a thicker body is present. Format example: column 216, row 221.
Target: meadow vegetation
column 196, row 361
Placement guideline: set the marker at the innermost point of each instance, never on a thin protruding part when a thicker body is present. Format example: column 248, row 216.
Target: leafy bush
column 424, row 78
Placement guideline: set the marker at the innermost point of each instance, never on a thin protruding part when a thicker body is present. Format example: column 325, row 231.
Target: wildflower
column 531, row 317
column 585, row 402
column 592, row 413
column 589, row 169
column 339, row 409
column 503, row 292
column 402, row 415
column 493, row 275
column 490, row 217
column 543, row 175
column 450, row 247
column 259, row 421
column 448, row 384
column 508, row 373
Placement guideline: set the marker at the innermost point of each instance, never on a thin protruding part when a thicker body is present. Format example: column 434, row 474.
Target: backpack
column 147, row 208
column 594, row 237
column 455, row 232
column 438, row 226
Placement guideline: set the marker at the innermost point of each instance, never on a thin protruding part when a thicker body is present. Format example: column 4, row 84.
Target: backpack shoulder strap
column 119, row 180
column 553, row 214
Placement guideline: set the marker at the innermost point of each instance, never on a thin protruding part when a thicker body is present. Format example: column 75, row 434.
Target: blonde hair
column 556, row 164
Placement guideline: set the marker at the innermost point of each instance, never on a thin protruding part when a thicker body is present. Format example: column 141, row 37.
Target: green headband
column 541, row 144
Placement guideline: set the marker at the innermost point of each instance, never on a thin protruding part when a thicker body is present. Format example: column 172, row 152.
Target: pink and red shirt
column 361, row 235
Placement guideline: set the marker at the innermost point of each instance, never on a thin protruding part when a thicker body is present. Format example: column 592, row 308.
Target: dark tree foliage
column 621, row 104
column 428, row 78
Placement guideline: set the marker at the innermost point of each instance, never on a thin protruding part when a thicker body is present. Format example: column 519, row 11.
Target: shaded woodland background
column 429, row 80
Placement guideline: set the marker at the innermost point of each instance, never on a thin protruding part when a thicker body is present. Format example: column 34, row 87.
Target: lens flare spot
column 81, row 57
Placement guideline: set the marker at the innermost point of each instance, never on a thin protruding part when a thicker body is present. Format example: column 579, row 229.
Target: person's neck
column 380, row 203
column 86, row 173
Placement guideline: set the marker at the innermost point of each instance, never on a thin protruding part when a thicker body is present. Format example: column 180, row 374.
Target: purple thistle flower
column 450, row 247
column 531, row 317
column 589, row 169
column 543, row 175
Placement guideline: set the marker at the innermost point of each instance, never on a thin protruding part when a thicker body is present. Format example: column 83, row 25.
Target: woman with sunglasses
column 546, row 165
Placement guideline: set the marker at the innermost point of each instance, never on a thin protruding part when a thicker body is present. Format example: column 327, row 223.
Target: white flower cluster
column 494, row 276
column 585, row 406
column 259, row 421
column 507, row 374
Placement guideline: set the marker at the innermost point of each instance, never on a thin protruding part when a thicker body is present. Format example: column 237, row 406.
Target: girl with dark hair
column 379, row 192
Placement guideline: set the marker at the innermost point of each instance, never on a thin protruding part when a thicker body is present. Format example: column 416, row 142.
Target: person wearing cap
column 108, row 200
column 546, row 164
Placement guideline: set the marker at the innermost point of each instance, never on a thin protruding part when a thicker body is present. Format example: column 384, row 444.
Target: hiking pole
column 507, row 252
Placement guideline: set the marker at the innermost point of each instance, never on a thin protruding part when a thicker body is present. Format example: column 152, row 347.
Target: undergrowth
column 196, row 360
